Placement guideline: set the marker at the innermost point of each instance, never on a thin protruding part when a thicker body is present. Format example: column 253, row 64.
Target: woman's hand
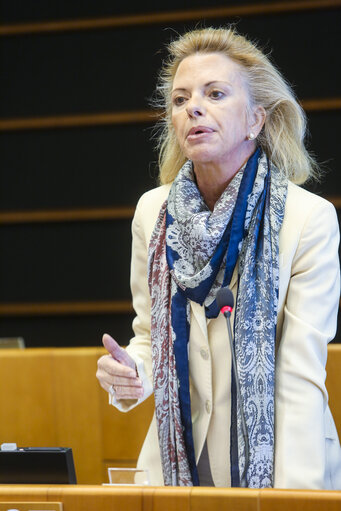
column 117, row 372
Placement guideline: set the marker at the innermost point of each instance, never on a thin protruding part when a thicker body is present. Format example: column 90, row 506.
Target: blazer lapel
column 198, row 311
column 200, row 317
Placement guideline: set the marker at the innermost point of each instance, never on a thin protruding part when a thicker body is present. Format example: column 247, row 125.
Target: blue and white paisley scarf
column 192, row 253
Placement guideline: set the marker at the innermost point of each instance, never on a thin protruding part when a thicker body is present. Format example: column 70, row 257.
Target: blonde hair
column 282, row 136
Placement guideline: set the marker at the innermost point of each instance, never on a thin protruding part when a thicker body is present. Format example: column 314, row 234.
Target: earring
column 251, row 136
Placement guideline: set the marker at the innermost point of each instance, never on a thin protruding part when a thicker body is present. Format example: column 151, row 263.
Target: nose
column 194, row 108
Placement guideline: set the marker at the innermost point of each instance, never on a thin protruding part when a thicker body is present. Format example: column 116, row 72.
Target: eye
column 216, row 94
column 179, row 100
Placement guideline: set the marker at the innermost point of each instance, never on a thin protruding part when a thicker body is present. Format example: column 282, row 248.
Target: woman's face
column 209, row 103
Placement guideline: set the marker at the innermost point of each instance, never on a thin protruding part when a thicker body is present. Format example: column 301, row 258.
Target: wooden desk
column 93, row 498
column 50, row 397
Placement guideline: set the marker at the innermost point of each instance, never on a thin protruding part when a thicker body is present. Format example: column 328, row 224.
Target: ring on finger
column 112, row 390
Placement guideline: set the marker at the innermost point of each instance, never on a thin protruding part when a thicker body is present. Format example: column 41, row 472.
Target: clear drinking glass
column 128, row 476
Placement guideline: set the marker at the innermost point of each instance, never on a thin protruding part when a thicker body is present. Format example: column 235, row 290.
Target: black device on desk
column 36, row 465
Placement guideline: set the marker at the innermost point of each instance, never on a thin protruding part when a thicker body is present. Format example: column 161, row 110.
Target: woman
column 229, row 212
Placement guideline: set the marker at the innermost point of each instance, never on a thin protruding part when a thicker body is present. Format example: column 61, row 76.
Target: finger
column 126, row 382
column 110, row 379
column 117, row 352
column 110, row 345
column 107, row 365
column 128, row 392
column 106, row 381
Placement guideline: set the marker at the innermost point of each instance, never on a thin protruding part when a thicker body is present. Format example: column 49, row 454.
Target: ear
column 257, row 120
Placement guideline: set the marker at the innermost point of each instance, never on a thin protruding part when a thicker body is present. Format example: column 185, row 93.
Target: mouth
column 199, row 130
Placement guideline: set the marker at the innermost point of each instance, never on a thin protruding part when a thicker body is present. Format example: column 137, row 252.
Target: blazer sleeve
column 140, row 345
column 309, row 323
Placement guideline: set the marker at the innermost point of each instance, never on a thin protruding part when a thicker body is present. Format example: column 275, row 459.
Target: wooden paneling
column 65, row 308
column 66, row 215
column 78, row 418
column 50, row 397
column 296, row 500
column 91, row 498
column 333, row 383
column 72, row 121
column 123, row 434
column 101, row 499
column 240, row 500
column 26, row 398
column 134, row 117
column 321, row 104
column 85, row 215
column 168, row 17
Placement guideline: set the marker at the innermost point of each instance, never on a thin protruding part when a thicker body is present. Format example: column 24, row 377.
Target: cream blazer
column 307, row 449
